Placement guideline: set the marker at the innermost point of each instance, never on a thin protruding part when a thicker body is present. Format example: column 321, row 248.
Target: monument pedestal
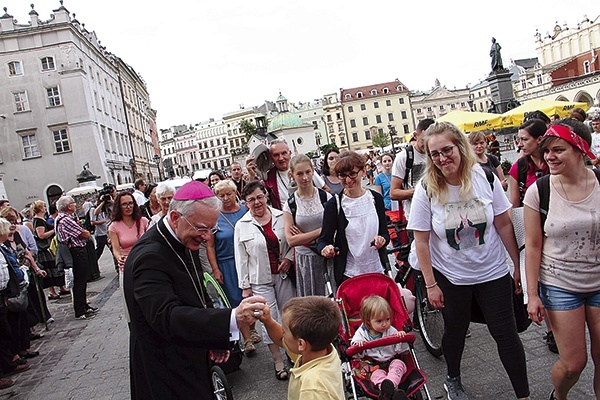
column 501, row 89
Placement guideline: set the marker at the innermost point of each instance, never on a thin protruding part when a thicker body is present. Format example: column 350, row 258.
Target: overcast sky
column 201, row 59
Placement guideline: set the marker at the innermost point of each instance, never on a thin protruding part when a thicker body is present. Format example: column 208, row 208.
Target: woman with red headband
column 562, row 262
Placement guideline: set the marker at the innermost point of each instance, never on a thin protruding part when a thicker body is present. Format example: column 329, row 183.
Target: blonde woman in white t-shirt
column 461, row 226
column 562, row 264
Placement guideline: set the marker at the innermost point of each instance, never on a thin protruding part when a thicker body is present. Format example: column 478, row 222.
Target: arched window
column 348, row 96
column 359, row 95
column 385, row 90
column 374, row 92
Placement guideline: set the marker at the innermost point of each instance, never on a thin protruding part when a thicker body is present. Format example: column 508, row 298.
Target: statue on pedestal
column 496, row 57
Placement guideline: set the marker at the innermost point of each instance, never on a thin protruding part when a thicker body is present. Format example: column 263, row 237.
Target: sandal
column 249, row 347
column 255, row 336
column 283, row 374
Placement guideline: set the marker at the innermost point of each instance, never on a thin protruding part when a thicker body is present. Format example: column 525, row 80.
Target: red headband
column 565, row 133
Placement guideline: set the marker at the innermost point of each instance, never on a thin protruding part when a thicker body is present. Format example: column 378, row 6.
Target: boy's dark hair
column 315, row 319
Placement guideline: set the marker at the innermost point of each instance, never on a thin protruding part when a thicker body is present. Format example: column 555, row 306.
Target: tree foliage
column 248, row 128
column 328, row 146
column 381, row 140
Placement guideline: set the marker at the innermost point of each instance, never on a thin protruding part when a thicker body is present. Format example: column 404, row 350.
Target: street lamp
column 156, row 158
column 392, row 131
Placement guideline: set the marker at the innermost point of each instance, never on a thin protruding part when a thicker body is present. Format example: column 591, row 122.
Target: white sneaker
column 454, row 389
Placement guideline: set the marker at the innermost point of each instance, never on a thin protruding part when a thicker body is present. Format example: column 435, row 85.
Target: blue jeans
column 557, row 299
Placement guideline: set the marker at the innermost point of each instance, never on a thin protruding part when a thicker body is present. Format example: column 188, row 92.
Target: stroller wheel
column 222, row 390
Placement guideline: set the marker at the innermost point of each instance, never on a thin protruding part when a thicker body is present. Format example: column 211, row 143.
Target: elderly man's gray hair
column 186, row 207
column 63, row 202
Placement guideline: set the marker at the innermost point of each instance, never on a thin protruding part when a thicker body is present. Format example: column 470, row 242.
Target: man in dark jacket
column 174, row 331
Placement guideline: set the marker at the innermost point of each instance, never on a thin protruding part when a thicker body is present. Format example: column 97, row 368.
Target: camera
column 105, row 193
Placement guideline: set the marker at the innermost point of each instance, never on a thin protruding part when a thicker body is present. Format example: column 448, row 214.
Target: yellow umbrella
column 516, row 116
column 472, row 121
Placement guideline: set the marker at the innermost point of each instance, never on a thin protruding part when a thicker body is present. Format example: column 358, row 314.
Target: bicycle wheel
column 431, row 322
column 221, row 387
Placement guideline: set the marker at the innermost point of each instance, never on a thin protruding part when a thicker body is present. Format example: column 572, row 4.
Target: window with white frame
column 374, row 92
column 29, row 143
column 53, row 96
column 348, row 96
column 386, row 91
column 21, row 102
column 15, row 68
column 47, row 63
column 359, row 95
column 586, row 67
column 61, row 140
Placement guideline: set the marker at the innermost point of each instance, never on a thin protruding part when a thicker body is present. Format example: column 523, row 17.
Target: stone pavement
column 80, row 359
column 89, row 359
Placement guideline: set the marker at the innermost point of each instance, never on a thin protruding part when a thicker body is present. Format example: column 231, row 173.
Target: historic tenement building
column 62, row 107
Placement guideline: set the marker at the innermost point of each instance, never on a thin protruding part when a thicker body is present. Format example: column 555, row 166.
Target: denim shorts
column 557, row 299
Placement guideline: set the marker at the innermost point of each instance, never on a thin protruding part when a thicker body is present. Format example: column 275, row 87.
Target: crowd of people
column 277, row 245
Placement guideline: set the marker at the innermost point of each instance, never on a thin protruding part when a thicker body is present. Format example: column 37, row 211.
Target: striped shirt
column 69, row 230
column 4, row 275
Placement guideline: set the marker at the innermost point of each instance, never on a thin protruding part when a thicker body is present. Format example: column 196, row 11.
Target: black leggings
column 495, row 300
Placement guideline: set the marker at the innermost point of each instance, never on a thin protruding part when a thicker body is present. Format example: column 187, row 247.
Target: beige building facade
column 375, row 109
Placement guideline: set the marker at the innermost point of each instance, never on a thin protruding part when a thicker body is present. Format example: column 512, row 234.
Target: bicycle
column 426, row 318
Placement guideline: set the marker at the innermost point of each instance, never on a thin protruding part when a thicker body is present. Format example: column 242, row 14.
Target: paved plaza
column 89, row 359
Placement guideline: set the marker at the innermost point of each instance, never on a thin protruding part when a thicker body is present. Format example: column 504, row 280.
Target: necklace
column 197, row 288
column 563, row 188
column 565, row 192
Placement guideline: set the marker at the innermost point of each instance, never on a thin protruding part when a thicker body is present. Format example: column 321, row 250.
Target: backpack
column 410, row 158
column 543, row 186
column 294, row 207
column 522, row 168
column 87, row 222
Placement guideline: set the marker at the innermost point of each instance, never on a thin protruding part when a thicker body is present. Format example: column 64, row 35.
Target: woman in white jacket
column 263, row 260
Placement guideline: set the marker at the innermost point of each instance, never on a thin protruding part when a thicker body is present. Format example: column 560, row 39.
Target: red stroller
column 349, row 296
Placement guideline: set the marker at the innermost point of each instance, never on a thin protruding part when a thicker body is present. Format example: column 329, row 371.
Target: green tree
column 381, row 140
column 328, row 146
column 248, row 128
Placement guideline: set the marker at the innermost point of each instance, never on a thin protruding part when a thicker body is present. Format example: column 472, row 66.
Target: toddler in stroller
column 349, row 297
column 376, row 315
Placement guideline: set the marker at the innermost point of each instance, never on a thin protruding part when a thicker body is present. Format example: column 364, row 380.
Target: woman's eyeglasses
column 351, row 175
column 260, row 197
column 446, row 152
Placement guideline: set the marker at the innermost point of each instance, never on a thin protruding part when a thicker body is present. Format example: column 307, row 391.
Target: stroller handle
column 386, row 341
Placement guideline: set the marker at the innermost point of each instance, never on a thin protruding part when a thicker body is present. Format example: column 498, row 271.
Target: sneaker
column 6, row 383
column 387, row 390
column 91, row 309
column 455, row 389
column 50, row 320
column 85, row 316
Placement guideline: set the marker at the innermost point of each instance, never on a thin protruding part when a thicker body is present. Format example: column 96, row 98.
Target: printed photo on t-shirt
column 465, row 224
